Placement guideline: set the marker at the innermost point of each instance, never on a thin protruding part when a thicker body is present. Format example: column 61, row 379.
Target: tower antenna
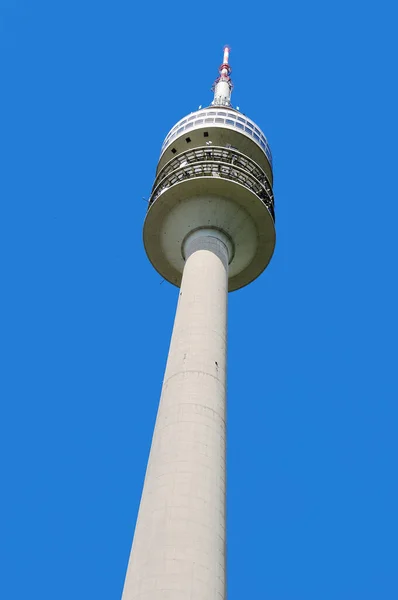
column 222, row 87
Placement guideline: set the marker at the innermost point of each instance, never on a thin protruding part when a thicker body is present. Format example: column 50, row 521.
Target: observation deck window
column 232, row 120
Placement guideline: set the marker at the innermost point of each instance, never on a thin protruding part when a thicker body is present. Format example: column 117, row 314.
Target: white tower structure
column 209, row 229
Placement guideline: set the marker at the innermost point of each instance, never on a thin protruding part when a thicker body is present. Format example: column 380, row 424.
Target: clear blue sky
column 90, row 89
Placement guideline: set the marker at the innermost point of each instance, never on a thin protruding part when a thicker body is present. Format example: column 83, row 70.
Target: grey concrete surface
column 179, row 546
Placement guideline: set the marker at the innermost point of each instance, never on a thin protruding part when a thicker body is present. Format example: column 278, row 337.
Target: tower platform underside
column 202, row 202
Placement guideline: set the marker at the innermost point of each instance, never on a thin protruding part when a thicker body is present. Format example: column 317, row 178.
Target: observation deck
column 215, row 161
column 226, row 127
column 212, row 116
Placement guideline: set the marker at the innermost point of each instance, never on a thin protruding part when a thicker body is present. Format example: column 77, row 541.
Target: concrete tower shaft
column 209, row 229
column 179, row 547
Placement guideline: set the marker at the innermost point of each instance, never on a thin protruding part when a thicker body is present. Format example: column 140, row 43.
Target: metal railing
column 215, row 161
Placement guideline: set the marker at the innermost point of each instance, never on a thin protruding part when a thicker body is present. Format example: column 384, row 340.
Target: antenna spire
column 222, row 86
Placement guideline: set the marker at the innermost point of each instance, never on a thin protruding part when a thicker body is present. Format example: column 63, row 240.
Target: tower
column 209, row 229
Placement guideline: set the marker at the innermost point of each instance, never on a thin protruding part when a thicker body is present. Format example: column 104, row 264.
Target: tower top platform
column 214, row 171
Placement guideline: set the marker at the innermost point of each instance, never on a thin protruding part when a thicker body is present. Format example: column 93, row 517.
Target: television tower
column 209, row 229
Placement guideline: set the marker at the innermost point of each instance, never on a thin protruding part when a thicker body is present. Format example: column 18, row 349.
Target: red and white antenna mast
column 222, row 86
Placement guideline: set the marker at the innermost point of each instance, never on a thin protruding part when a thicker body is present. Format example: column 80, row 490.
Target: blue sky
column 90, row 90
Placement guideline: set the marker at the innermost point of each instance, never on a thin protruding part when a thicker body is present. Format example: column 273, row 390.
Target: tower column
column 179, row 546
